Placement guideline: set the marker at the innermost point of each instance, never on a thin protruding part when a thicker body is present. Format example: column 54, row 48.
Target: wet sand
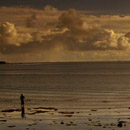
column 70, row 111
column 65, row 119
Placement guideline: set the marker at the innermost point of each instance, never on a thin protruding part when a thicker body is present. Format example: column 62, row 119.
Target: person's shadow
column 22, row 106
column 22, row 112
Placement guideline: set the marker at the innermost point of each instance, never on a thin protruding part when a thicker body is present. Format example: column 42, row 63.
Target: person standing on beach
column 22, row 100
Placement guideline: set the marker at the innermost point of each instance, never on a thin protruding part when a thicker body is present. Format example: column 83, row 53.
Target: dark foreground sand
column 51, row 118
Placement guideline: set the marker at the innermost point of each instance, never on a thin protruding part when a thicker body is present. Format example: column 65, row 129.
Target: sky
column 113, row 5
column 64, row 30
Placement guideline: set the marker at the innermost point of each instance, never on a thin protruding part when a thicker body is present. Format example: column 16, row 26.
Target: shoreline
column 63, row 62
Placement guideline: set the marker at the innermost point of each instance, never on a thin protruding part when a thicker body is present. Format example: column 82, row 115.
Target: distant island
column 2, row 62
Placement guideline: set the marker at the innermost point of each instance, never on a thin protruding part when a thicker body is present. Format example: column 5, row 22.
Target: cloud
column 82, row 37
column 49, row 8
column 31, row 21
column 71, row 20
column 10, row 36
column 70, row 35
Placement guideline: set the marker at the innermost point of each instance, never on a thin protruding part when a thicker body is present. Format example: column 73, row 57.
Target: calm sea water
column 81, row 86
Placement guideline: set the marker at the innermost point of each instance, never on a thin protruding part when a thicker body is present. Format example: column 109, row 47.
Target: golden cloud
column 61, row 33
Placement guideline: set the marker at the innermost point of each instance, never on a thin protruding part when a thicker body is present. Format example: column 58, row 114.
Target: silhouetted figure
column 22, row 106
column 22, row 100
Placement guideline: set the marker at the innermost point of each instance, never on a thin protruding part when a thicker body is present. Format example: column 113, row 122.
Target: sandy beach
column 70, row 117
column 54, row 100
column 52, row 118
